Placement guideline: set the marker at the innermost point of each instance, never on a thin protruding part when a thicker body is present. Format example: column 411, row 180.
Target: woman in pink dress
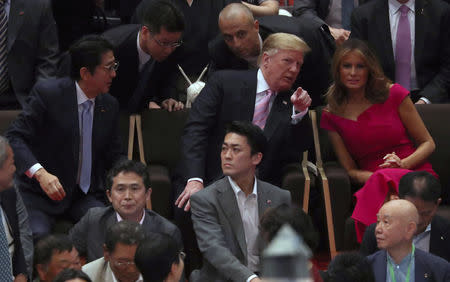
column 376, row 132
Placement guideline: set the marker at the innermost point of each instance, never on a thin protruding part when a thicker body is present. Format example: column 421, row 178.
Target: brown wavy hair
column 377, row 87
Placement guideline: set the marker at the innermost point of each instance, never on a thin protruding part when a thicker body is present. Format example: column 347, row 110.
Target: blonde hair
column 377, row 87
column 283, row 41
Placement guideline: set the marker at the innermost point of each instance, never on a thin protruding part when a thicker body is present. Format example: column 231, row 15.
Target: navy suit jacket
column 314, row 75
column 47, row 132
column 370, row 22
column 32, row 45
column 439, row 239
column 132, row 89
column 8, row 200
column 229, row 96
column 428, row 267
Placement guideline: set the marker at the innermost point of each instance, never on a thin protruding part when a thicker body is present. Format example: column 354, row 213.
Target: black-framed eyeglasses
column 113, row 67
column 165, row 44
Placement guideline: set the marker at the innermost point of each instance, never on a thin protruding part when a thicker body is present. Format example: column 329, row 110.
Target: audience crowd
column 74, row 208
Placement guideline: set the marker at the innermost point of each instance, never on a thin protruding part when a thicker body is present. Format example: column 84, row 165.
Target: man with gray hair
column 12, row 260
column 399, row 259
column 117, row 263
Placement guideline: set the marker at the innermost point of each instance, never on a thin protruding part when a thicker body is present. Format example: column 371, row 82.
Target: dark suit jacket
column 428, row 267
column 47, row 132
column 229, row 96
column 439, row 239
column 370, row 22
column 314, row 75
column 8, row 202
column 32, row 45
column 88, row 235
column 132, row 89
column 220, row 231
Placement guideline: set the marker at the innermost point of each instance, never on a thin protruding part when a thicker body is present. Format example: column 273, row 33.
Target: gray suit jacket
column 88, row 235
column 98, row 270
column 32, row 45
column 220, row 232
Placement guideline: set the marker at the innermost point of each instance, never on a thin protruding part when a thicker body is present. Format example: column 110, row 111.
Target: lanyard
column 408, row 274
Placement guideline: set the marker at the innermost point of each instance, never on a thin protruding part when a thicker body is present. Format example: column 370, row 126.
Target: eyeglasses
column 123, row 263
column 165, row 44
column 113, row 67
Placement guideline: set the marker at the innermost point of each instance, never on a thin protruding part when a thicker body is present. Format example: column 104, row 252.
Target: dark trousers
column 8, row 101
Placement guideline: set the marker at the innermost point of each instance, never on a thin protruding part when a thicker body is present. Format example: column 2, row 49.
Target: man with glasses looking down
column 143, row 51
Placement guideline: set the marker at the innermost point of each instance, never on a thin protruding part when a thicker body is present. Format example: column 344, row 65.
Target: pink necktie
column 262, row 109
column 403, row 50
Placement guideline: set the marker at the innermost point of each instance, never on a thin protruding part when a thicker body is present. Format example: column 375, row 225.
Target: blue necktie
column 347, row 8
column 4, row 80
column 86, row 150
column 5, row 258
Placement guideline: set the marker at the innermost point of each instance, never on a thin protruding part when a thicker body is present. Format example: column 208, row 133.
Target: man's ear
column 393, row 197
column 256, row 25
column 85, row 73
column 42, row 271
column 108, row 194
column 105, row 253
column 256, row 158
column 411, row 229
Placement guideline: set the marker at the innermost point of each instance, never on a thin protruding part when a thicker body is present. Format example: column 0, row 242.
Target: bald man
column 398, row 259
column 240, row 42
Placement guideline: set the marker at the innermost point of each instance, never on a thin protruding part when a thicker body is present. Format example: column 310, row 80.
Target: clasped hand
column 392, row 161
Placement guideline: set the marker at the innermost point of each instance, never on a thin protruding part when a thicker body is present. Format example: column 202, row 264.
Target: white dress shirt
column 248, row 208
column 143, row 57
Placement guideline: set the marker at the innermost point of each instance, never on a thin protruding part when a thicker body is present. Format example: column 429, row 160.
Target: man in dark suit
column 240, row 42
column 226, row 214
column 128, row 189
column 424, row 191
column 427, row 45
column 234, row 95
column 399, row 258
column 31, row 49
column 12, row 259
column 143, row 52
column 67, row 137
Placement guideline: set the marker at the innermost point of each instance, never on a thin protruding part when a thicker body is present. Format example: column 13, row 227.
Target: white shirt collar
column 237, row 189
column 261, row 85
column 119, row 218
column 394, row 6
column 143, row 57
column 140, row 279
column 81, row 97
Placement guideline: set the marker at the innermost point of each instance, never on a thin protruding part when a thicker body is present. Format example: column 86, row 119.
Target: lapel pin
column 285, row 102
column 21, row 13
column 269, row 202
column 425, row 275
column 102, row 110
column 442, row 238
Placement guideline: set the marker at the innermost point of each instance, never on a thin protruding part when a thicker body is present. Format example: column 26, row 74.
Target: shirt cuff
column 425, row 100
column 252, row 277
column 195, row 179
column 297, row 117
column 32, row 170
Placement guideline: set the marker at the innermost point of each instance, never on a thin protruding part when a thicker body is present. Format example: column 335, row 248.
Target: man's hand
column 172, row 105
column 50, row 184
column 301, row 100
column 153, row 105
column 191, row 188
column 20, row 278
column 340, row 35
column 421, row 102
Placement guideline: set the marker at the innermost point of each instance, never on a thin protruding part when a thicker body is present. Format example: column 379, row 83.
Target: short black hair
column 87, row 52
column 420, row 184
column 255, row 135
column 274, row 218
column 128, row 166
column 155, row 255
column 162, row 14
column 69, row 274
column 45, row 248
column 349, row 267
column 125, row 232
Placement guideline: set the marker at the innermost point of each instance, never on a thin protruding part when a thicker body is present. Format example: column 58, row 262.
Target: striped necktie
column 262, row 109
column 5, row 258
column 4, row 79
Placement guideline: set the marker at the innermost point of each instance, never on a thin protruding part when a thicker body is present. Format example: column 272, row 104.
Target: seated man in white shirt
column 226, row 213
column 424, row 191
column 117, row 263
